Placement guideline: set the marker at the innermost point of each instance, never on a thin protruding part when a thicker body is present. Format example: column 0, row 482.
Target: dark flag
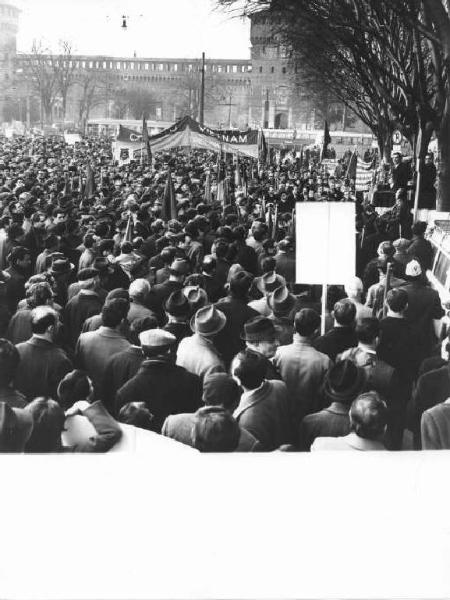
column 146, row 140
column 207, row 196
column 169, row 207
column 326, row 141
column 352, row 166
column 237, row 173
column 89, row 188
column 128, row 237
column 275, row 224
column 67, row 185
column 262, row 149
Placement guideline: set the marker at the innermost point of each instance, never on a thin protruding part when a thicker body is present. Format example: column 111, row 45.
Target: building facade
column 261, row 91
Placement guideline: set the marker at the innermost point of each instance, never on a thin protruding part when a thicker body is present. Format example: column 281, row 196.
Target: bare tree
column 40, row 72
column 94, row 91
column 64, row 69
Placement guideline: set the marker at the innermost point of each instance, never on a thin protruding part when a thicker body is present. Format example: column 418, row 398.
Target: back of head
column 126, row 247
column 354, row 287
column 16, row 425
column 220, row 389
column 368, row 416
column 215, row 430
column 42, row 318
column 9, row 361
column 139, row 290
column 73, row 387
column 345, row 312
column 139, row 325
column 307, row 321
column 368, row 330
column 136, row 414
column 386, row 249
column 268, row 264
column 249, row 368
column 114, row 312
column 397, row 300
column 419, row 228
column 48, row 424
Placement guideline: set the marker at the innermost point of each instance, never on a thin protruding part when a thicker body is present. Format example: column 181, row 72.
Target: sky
column 156, row 28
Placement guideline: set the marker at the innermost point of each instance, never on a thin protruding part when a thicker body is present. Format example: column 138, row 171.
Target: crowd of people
column 117, row 322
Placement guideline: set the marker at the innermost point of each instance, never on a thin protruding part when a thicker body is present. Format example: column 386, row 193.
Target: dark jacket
column 41, row 368
column 179, row 330
column 166, row 389
column 398, row 346
column 229, row 341
column 423, row 251
column 120, row 368
column 336, row 341
column 77, row 310
column 424, row 306
column 333, row 421
column 432, row 388
column 15, row 288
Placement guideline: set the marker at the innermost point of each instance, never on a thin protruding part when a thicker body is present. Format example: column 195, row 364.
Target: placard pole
column 324, row 308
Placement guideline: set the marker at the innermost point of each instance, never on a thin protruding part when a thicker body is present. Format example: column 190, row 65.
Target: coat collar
column 358, row 443
column 251, row 398
column 108, row 332
column 337, row 408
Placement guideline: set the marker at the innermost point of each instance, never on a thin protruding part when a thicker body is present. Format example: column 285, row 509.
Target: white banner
column 326, row 242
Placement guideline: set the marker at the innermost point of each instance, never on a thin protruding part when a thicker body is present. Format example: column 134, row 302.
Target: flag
column 262, row 149
column 67, row 185
column 270, row 221
column 146, row 140
column 237, row 173
column 352, row 166
column 326, row 141
column 128, row 237
column 263, row 209
column 364, row 174
column 89, row 188
column 275, row 223
column 169, row 207
column 207, row 195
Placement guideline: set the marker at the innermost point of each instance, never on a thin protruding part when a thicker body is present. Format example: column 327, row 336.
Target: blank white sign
column 325, row 242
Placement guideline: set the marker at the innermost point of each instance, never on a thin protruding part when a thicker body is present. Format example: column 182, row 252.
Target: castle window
column 260, row 69
column 283, row 70
column 272, row 70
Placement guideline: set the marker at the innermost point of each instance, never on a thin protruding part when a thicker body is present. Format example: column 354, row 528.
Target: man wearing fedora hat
column 264, row 408
column 302, row 367
column 178, row 313
column 229, row 341
column 179, row 269
column 166, row 388
column 260, row 336
column 283, row 304
column 343, row 383
column 267, row 284
column 198, row 353
column 220, row 391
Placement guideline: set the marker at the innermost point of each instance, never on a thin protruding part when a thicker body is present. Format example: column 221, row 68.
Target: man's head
column 413, row 270
column 9, row 361
column 260, row 335
column 397, row 158
column 179, row 269
column 136, row 414
column 343, row 382
column 354, row 289
column 248, row 369
column 44, row 322
column 39, row 294
column 397, row 301
column 344, row 313
column 75, row 386
column 240, row 284
column 20, row 258
column 386, row 249
column 140, row 325
column 307, row 323
column 419, row 228
column 367, row 331
column 48, row 424
column 16, row 425
column 215, row 430
column 114, row 312
column 208, row 321
column 220, row 389
column 368, row 416
column 139, row 290
column 157, row 342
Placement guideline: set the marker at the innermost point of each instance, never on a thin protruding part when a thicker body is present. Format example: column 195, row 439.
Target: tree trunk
column 421, row 143
column 443, row 178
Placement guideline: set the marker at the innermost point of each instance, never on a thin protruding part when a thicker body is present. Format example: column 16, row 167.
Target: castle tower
column 9, row 26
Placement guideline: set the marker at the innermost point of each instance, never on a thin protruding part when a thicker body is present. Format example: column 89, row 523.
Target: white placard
column 72, row 138
column 326, row 243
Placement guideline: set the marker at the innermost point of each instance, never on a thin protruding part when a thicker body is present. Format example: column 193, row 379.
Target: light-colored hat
column 413, row 269
column 208, row 321
column 157, row 339
column 401, row 244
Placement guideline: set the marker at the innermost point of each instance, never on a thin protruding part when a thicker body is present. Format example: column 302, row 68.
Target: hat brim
column 220, row 325
column 287, row 307
column 68, row 270
column 351, row 392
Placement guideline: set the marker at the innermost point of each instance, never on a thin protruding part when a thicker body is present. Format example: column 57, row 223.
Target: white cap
column 413, row 269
